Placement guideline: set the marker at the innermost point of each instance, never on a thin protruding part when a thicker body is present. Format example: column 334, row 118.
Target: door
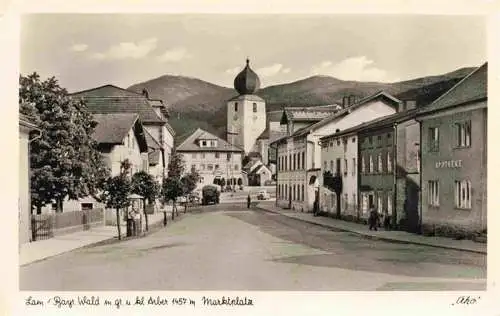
column 338, row 167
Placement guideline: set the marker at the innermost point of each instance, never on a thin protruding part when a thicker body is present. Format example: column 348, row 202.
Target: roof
column 27, row 121
column 378, row 123
column 264, row 134
column 113, row 128
column 151, row 141
column 247, row 97
column 348, row 110
column 107, row 90
column 190, row 144
column 112, row 99
column 107, row 105
column 473, row 87
column 309, row 114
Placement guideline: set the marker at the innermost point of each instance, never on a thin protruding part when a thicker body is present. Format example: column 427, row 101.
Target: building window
column 354, row 201
column 326, row 164
column 379, row 160
column 353, row 166
column 345, row 166
column 202, row 179
column 235, row 106
column 217, row 156
column 294, row 162
column 463, row 133
column 379, row 202
column 202, row 167
column 303, row 160
column 354, row 139
column 338, row 142
column 194, row 155
column 346, row 202
column 389, row 162
column 363, row 164
column 286, row 163
column 388, row 135
column 210, row 167
column 193, row 167
column 255, row 107
column 370, row 167
column 463, row 194
column 370, row 140
column 290, row 159
column 203, row 156
column 203, row 143
column 216, row 167
column 236, row 167
column 433, row 139
column 433, row 193
column 389, row 203
column 298, row 161
column 228, row 156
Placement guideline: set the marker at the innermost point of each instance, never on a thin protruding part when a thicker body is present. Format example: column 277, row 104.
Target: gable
column 108, row 90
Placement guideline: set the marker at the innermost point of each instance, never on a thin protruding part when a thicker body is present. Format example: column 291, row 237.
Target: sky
column 88, row 50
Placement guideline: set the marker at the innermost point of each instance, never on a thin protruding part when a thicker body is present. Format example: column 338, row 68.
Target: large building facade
column 454, row 155
column 212, row 157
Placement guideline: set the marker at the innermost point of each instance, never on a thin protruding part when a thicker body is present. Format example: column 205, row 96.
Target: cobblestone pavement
column 228, row 247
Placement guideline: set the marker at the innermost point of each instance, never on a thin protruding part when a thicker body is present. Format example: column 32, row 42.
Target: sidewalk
column 391, row 236
column 43, row 249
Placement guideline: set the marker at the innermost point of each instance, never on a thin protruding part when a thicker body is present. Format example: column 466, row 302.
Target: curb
column 153, row 228
column 383, row 238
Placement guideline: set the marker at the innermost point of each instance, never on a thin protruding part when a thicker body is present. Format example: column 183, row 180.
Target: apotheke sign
column 449, row 164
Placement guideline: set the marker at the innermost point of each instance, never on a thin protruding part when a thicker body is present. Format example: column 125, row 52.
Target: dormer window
column 203, row 143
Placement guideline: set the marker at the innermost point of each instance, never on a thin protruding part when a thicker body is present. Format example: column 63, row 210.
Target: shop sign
column 449, row 164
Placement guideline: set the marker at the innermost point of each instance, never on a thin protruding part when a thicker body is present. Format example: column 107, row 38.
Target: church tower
column 246, row 113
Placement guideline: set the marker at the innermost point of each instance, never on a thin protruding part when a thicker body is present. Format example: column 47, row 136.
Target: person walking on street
column 373, row 219
column 248, row 200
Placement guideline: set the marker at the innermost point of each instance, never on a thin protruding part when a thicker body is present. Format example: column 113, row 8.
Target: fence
column 45, row 226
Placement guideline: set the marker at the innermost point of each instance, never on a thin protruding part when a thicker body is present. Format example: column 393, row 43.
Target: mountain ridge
column 194, row 102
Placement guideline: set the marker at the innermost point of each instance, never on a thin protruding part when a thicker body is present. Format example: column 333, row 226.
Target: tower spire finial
column 248, row 61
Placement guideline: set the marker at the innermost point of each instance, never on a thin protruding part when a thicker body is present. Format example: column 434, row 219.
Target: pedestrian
column 248, row 200
column 373, row 218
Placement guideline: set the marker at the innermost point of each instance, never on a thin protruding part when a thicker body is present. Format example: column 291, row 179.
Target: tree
column 172, row 186
column 145, row 185
column 116, row 192
column 64, row 161
column 189, row 182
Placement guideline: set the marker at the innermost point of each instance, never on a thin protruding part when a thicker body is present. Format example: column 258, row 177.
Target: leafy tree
column 189, row 182
column 145, row 185
column 172, row 186
column 64, row 161
column 116, row 192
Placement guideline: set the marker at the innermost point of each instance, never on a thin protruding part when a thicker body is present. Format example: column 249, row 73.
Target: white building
column 212, row 157
column 305, row 142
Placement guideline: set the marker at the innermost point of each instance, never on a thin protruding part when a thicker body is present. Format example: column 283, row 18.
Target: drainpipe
column 420, row 202
column 395, row 164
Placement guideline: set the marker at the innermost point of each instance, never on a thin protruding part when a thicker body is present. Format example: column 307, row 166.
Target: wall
column 245, row 122
column 201, row 160
column 126, row 151
column 473, row 167
column 24, row 188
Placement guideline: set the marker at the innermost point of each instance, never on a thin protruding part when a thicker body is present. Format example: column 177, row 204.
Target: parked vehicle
column 210, row 194
column 263, row 195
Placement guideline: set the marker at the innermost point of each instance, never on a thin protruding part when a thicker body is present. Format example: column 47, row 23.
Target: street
column 228, row 247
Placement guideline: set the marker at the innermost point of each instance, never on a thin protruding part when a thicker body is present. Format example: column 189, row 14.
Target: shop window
column 433, row 139
column 433, row 192
column 463, row 194
column 463, row 134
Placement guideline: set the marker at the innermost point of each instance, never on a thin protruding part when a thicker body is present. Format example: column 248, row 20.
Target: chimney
column 145, row 93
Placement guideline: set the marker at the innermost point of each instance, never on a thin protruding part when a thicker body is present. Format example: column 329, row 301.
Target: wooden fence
column 45, row 226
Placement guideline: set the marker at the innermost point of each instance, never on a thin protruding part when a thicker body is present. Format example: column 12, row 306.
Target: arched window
column 235, row 106
column 255, row 107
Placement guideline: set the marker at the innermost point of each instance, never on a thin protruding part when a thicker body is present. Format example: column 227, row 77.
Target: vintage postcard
column 252, row 155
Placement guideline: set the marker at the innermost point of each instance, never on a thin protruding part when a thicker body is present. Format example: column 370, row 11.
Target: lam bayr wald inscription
column 118, row 302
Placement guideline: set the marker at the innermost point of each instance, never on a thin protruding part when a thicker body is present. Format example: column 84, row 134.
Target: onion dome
column 247, row 81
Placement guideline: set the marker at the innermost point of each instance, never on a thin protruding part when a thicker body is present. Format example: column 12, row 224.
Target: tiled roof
column 190, row 143
column 314, row 114
column 474, row 87
column 348, row 110
column 112, row 99
column 139, row 105
column 108, row 90
column 378, row 123
column 112, row 128
column 264, row 134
